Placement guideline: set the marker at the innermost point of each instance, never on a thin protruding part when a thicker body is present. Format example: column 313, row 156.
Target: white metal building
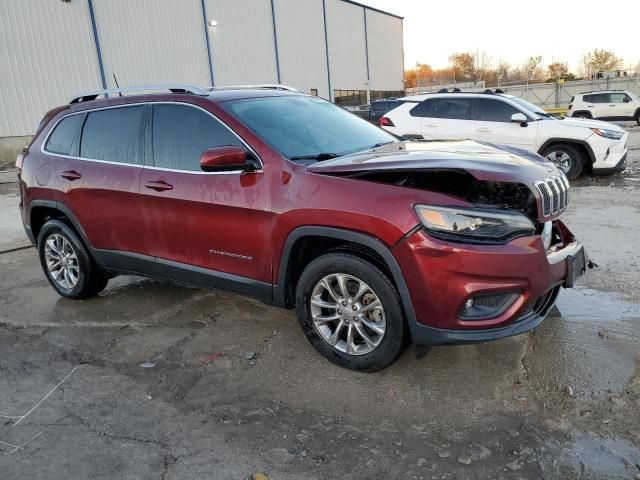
column 51, row 50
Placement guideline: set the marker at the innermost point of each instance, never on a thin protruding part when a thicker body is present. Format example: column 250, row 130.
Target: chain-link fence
column 547, row 95
column 559, row 94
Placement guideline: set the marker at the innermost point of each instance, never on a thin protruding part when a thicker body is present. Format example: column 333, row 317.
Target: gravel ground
column 157, row 381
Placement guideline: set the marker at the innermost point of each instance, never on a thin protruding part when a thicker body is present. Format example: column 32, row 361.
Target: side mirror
column 221, row 159
column 520, row 118
column 626, row 100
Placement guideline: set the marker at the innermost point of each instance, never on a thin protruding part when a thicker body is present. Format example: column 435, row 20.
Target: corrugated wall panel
column 384, row 34
column 301, row 47
column 242, row 43
column 47, row 55
column 347, row 58
column 146, row 42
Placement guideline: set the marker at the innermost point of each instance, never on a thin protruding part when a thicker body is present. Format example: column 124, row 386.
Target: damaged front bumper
column 443, row 276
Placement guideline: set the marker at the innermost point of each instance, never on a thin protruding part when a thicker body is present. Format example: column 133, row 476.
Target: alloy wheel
column 348, row 314
column 62, row 261
column 562, row 160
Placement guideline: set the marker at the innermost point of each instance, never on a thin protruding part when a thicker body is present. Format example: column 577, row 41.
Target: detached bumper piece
column 532, row 315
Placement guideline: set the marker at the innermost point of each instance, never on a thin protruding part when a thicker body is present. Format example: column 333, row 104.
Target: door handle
column 70, row 175
column 158, row 185
column 431, row 125
column 484, row 129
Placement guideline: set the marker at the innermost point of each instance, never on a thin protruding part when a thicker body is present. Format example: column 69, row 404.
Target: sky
column 559, row 30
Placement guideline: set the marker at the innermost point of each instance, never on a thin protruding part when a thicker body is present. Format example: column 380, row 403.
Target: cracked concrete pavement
column 164, row 387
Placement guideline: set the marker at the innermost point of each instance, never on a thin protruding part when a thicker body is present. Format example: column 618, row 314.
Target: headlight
column 612, row 134
column 474, row 224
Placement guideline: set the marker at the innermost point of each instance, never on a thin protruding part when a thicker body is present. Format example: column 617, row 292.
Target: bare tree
column 532, row 68
column 481, row 63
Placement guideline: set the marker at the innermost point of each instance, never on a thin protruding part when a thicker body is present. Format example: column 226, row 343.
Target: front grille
column 554, row 194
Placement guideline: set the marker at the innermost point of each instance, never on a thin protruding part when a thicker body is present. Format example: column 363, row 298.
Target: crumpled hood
column 588, row 123
column 484, row 161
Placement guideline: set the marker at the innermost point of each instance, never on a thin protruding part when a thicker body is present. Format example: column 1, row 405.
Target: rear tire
column 360, row 337
column 67, row 263
column 567, row 158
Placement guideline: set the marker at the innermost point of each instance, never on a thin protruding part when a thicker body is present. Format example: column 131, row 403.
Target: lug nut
column 344, row 303
column 355, row 308
column 339, row 312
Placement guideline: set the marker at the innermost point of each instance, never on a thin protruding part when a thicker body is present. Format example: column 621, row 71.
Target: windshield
column 306, row 128
column 530, row 107
column 633, row 96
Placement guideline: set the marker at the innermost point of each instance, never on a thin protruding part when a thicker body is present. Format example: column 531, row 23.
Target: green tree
column 463, row 65
column 599, row 60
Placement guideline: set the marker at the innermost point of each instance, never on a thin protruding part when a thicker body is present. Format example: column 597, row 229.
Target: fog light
column 486, row 306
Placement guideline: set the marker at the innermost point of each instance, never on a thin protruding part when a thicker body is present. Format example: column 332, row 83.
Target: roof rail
column 266, row 86
column 601, row 91
column 173, row 88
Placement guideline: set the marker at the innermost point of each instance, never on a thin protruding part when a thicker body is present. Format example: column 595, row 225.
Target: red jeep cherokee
column 290, row 199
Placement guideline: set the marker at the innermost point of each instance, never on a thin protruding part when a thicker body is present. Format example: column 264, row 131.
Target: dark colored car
column 290, row 199
column 377, row 109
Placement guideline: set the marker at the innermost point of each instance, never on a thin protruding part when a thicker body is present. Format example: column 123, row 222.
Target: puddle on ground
column 604, row 457
column 589, row 343
column 585, row 302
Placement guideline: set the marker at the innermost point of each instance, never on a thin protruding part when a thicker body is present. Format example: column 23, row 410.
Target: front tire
column 567, row 158
column 67, row 263
column 350, row 312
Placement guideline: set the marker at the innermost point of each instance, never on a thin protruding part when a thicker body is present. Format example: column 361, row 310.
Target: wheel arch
column 339, row 239
column 582, row 145
column 585, row 112
column 41, row 210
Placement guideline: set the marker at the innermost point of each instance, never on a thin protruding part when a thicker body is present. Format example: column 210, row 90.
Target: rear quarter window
column 61, row 140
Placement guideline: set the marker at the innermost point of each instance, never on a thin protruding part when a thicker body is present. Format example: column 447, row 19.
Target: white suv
column 606, row 105
column 574, row 145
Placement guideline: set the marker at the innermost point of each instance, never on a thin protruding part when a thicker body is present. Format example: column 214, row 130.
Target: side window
column 180, row 134
column 597, row 98
column 451, row 108
column 113, row 135
column 61, row 139
column 617, row 97
column 490, row 110
column 422, row 109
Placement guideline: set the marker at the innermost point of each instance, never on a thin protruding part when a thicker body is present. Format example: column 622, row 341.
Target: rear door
column 218, row 221
column 598, row 104
column 100, row 178
column 447, row 118
column 494, row 124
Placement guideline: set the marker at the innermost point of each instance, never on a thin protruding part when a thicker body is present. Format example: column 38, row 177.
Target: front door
column 216, row 221
column 620, row 105
column 494, row 124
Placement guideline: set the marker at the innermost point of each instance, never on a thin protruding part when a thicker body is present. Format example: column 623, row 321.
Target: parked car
column 290, row 199
column 377, row 109
column 574, row 145
column 606, row 105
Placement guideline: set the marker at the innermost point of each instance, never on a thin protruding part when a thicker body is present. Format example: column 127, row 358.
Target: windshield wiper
column 381, row 144
column 318, row 156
